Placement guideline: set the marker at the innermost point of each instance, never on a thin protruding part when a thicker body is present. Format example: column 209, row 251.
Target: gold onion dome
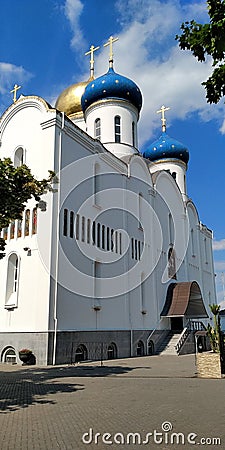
column 69, row 101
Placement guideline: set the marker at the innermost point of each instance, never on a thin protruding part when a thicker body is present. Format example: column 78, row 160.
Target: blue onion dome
column 111, row 85
column 166, row 148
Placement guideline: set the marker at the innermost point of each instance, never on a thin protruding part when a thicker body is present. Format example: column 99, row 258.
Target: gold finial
column 91, row 52
column 14, row 91
column 163, row 119
column 110, row 43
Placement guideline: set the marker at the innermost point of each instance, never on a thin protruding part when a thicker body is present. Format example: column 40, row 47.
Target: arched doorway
column 9, row 355
column 151, row 349
column 140, row 349
column 112, row 351
column 81, row 353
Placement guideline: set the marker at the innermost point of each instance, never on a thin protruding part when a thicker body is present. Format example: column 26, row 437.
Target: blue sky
column 42, row 46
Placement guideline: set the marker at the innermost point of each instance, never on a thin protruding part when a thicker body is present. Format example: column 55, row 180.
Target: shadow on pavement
column 20, row 388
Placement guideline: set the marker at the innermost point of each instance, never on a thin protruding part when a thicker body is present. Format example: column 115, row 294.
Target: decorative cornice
column 111, row 102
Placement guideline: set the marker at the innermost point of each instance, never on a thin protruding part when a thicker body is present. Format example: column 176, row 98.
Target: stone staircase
column 167, row 347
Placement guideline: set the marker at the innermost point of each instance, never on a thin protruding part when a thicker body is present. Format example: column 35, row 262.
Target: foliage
column 25, row 350
column 208, row 39
column 17, row 185
column 214, row 332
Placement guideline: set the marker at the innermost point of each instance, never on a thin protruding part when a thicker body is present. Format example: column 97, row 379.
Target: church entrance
column 176, row 324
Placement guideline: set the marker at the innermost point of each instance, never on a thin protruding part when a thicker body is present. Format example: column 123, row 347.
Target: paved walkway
column 49, row 408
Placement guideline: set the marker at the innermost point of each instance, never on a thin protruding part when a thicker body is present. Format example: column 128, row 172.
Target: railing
column 185, row 333
column 192, row 325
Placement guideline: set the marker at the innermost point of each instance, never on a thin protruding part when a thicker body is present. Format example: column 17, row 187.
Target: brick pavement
column 49, row 408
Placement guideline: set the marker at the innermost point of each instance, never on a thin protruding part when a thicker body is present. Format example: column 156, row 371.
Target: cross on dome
column 14, row 91
column 163, row 119
column 110, row 43
column 91, row 52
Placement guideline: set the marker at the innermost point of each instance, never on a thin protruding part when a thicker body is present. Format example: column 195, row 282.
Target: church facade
column 115, row 256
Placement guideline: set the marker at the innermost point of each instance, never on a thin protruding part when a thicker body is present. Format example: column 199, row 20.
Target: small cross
column 110, row 43
column 163, row 119
column 14, row 91
column 91, row 52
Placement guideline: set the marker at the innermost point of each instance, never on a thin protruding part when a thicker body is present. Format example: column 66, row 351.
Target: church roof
column 112, row 85
column 166, row 148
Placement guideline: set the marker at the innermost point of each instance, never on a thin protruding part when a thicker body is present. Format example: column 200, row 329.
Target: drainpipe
column 57, row 242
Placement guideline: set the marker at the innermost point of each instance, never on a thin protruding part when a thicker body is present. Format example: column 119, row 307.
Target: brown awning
column 184, row 299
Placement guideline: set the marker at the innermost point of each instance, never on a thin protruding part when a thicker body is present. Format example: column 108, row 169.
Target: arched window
column 12, row 229
column 133, row 135
column 81, row 353
column 96, row 183
column 112, row 351
column 140, row 207
column 117, row 129
column 88, row 231
column 71, row 223
column 19, row 157
column 192, row 243
column 140, row 349
column 98, row 128
column 170, row 224
column 34, row 221
column 19, row 228
column 5, row 233
column 83, row 229
column 172, row 264
column 65, row 222
column 27, row 223
column 9, row 355
column 151, row 348
column 12, row 281
column 78, row 227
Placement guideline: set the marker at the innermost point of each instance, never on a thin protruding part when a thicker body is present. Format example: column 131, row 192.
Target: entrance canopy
column 184, row 299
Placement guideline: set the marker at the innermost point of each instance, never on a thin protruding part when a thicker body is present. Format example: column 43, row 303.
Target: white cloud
column 219, row 245
column 219, row 266
column 148, row 53
column 9, row 76
column 73, row 10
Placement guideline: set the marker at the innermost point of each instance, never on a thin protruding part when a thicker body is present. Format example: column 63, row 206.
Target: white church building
column 114, row 259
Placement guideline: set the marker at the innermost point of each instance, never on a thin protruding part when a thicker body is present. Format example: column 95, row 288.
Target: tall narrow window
column 96, row 183
column 27, row 223
column 140, row 200
column 98, row 128
column 71, row 223
column 12, row 229
column 19, row 228
column 83, row 229
column 132, row 248
column 133, row 135
column 94, row 233
column 103, row 237
column 77, row 227
column 206, row 252
column 116, row 241
column 170, row 224
column 34, row 221
column 136, row 249
column 12, row 280
column 120, row 243
column 65, row 222
column 5, row 233
column 192, row 243
column 98, row 235
column 88, row 231
column 117, row 129
column 112, row 240
column 107, row 238
column 172, row 264
column 19, row 159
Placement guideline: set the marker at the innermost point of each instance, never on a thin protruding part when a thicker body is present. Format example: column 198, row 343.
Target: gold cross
column 163, row 119
column 14, row 90
column 110, row 43
column 91, row 52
